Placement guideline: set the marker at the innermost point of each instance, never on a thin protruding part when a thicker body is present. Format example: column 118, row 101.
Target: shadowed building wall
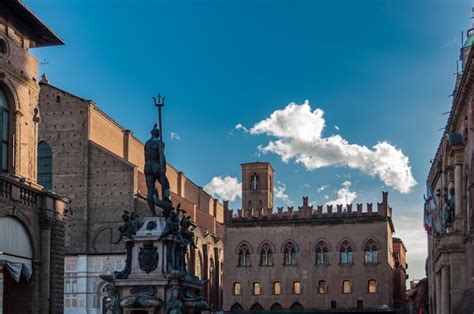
column 31, row 219
column 99, row 165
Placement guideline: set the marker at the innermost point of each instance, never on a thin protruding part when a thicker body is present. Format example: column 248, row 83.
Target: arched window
column 296, row 307
column 45, row 165
column 370, row 252
column 256, row 307
column 276, row 307
column 322, row 287
column 322, row 254
column 254, row 182
column 346, row 253
column 5, row 131
column 297, row 287
column 266, row 254
column 289, row 254
column 346, row 286
column 372, row 286
column 256, row 288
column 236, row 308
column 276, row 288
column 249, row 205
column 260, row 204
column 237, row 290
column 244, row 255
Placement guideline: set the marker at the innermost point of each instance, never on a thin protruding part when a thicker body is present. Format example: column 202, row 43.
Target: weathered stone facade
column 98, row 165
column 32, row 232
column 340, row 257
column 450, row 265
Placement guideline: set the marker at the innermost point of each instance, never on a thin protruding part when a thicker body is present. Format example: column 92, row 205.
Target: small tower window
column 58, row 99
column 254, row 182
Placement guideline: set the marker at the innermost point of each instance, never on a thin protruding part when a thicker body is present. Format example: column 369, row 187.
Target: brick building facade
column 31, row 220
column 98, row 165
column 340, row 257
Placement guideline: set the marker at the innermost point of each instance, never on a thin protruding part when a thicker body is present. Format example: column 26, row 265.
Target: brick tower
column 257, row 185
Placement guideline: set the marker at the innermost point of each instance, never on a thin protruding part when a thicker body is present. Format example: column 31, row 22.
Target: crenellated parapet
column 312, row 212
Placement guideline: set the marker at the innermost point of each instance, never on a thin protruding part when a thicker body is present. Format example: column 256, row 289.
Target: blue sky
column 380, row 71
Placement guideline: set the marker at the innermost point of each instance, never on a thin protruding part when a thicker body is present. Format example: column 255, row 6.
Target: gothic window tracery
column 289, row 254
column 322, row 254
column 244, row 255
column 370, row 252
column 266, row 255
column 346, row 253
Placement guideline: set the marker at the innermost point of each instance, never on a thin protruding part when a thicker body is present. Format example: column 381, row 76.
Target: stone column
column 445, row 306
column 437, row 293
column 45, row 234
column 1, row 289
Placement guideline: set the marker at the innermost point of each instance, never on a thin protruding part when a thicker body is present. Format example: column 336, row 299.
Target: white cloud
column 280, row 193
column 241, row 127
column 306, row 185
column 175, row 136
column 322, row 188
column 336, row 127
column 298, row 130
column 228, row 188
column 344, row 195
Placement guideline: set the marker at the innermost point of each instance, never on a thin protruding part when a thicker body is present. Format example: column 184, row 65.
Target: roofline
column 257, row 162
column 457, row 97
column 66, row 92
column 55, row 39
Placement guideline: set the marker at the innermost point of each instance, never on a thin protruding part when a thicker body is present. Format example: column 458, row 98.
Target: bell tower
column 257, row 185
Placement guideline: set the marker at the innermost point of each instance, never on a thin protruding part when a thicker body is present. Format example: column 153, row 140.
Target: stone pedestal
column 155, row 279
